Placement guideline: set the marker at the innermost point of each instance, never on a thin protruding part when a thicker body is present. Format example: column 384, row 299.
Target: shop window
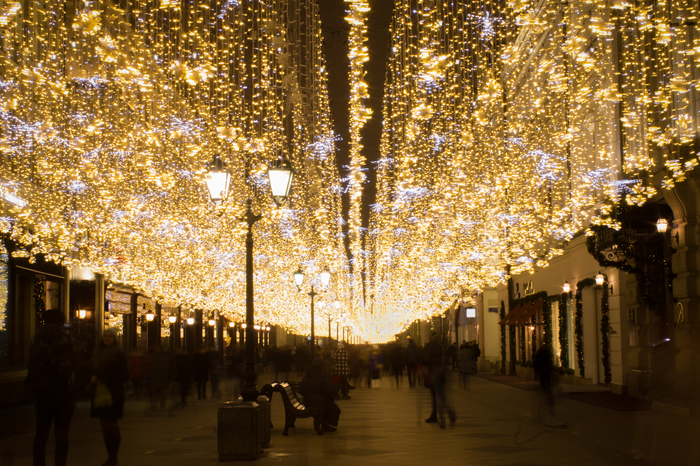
column 52, row 299
column 4, row 324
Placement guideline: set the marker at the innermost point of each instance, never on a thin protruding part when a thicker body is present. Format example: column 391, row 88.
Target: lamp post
column 280, row 176
column 299, row 280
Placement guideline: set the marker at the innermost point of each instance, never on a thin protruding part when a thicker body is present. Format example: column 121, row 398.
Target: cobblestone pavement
column 495, row 426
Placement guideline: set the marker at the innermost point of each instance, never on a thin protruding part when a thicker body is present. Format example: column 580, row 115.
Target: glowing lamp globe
column 218, row 180
column 280, row 175
column 662, row 225
column 325, row 276
column 150, row 316
column 172, row 319
column 231, row 324
column 599, row 279
column 82, row 313
column 190, row 321
column 298, row 278
column 566, row 287
column 212, row 322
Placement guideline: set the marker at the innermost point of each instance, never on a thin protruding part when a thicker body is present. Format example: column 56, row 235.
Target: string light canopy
column 109, row 116
column 508, row 128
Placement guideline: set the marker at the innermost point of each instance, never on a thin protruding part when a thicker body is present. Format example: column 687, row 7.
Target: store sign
column 118, row 303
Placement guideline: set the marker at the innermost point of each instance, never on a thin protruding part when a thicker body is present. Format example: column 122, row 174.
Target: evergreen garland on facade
column 605, row 330
column 564, row 330
column 533, row 323
column 39, row 302
column 523, row 356
column 578, row 332
column 503, row 338
column 548, row 335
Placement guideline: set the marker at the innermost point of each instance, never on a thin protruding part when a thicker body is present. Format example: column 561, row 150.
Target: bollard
column 265, row 421
column 238, row 436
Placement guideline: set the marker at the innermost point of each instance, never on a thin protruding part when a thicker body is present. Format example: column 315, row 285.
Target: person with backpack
column 111, row 370
column 49, row 383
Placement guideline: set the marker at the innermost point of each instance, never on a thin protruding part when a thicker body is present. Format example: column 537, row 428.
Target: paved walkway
column 495, row 426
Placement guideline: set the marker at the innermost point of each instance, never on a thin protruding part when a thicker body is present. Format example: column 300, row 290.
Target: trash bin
column 238, row 434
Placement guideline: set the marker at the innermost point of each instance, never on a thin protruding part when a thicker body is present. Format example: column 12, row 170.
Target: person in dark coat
column 183, row 375
column 49, row 382
column 543, row 366
column 111, row 369
column 317, row 390
column 412, row 356
column 201, row 364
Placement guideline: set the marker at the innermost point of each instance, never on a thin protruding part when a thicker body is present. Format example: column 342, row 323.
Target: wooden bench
column 293, row 408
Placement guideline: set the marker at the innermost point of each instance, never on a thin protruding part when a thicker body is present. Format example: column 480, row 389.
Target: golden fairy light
column 109, row 115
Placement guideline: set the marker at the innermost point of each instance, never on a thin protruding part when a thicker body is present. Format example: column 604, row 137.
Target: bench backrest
column 290, row 396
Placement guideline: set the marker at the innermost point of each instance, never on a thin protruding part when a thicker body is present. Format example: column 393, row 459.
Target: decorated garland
column 563, row 330
column 533, row 323
column 503, row 338
column 548, row 335
column 39, row 303
column 605, row 330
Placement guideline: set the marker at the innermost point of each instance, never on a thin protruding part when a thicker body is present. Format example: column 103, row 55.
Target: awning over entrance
column 531, row 311
column 512, row 316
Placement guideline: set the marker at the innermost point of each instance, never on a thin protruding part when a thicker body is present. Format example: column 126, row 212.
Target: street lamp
column 662, row 225
column 82, row 313
column 280, row 176
column 566, row 287
column 599, row 279
column 218, row 180
column 325, row 280
column 172, row 319
column 190, row 321
column 150, row 316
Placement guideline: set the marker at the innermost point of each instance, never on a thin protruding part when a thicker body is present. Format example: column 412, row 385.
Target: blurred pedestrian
column 464, row 361
column 183, row 375
column 376, row 364
column 436, row 359
column 215, row 372
column 543, row 366
column 200, row 365
column 317, row 390
column 342, row 369
column 412, row 356
column 111, row 370
column 159, row 379
column 397, row 361
column 49, row 383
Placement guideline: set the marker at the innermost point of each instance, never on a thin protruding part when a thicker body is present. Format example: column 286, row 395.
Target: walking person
column 201, row 364
column 49, row 382
column 412, row 356
column 342, row 369
column 464, row 359
column 111, row 370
